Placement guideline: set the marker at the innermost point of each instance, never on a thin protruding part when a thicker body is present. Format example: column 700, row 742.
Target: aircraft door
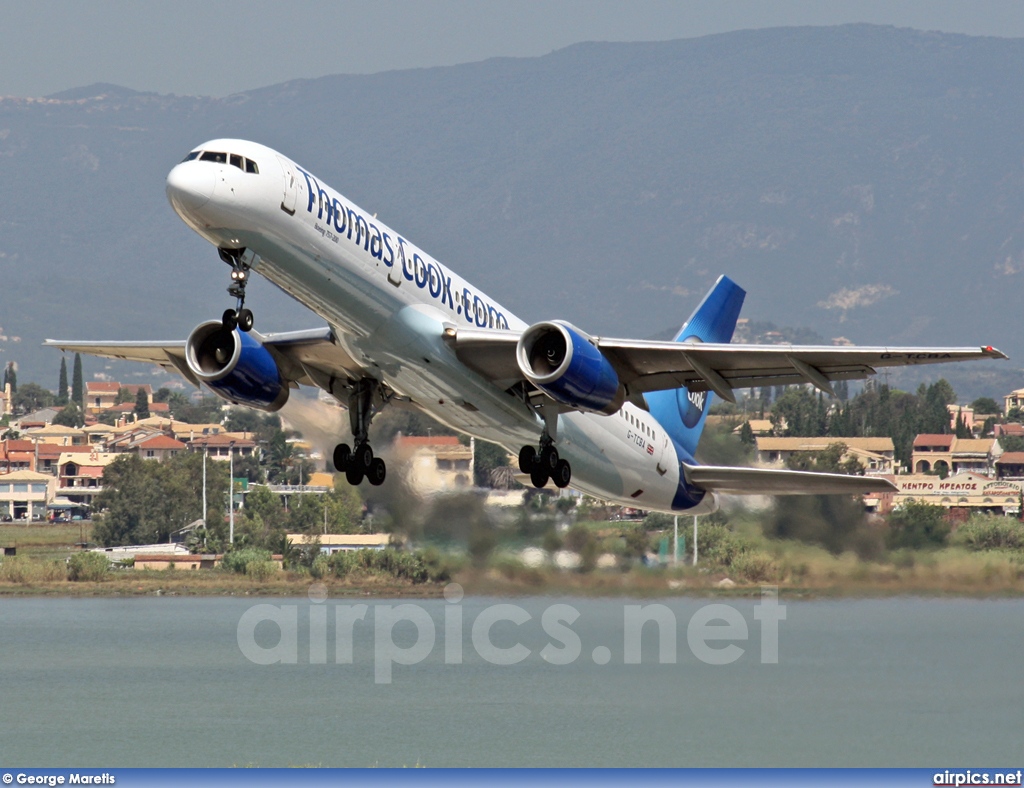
column 291, row 187
column 397, row 267
column 663, row 453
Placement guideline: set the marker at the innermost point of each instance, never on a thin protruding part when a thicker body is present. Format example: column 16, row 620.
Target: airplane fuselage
column 390, row 303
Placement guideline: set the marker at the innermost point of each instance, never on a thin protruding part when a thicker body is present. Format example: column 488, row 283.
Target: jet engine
column 565, row 364
column 236, row 366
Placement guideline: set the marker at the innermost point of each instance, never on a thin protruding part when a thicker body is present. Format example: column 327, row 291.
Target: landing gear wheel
column 342, row 457
column 378, row 471
column 549, row 459
column 527, row 459
column 363, row 457
column 245, row 319
column 229, row 319
column 539, row 477
column 562, row 474
column 354, row 476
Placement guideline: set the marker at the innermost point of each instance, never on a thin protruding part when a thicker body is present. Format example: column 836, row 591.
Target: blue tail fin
column 681, row 412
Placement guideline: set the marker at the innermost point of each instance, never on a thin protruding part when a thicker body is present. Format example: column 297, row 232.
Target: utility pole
column 675, row 545
column 204, row 487
column 695, row 540
column 231, row 494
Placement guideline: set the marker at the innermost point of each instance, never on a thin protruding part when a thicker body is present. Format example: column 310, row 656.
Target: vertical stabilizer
column 681, row 412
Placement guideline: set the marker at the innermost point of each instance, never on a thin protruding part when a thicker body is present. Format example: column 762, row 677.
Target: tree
column 10, row 377
column 32, row 397
column 985, row 405
column 77, row 384
column 916, row 525
column 162, row 394
column 123, row 395
column 62, row 384
column 836, row 522
column 69, row 416
column 487, row 457
column 961, row 430
column 145, row 502
column 206, row 411
column 1011, row 442
column 141, row 404
column 747, row 435
column 242, row 420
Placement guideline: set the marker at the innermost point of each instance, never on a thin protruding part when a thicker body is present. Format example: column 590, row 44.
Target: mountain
column 859, row 181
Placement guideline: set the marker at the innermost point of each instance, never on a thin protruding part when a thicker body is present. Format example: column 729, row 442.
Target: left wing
column 311, row 357
column 772, row 481
column 653, row 366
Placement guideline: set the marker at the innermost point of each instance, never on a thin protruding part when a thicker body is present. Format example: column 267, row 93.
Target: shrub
column 637, row 541
column 514, row 569
column 916, row 525
column 658, row 521
column 88, row 567
column 440, row 567
column 261, row 571
column 990, row 533
column 397, row 564
column 321, row 567
column 16, row 569
column 754, row 567
column 51, row 571
column 718, row 545
column 239, row 560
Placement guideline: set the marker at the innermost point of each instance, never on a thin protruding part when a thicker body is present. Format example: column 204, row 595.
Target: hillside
column 859, row 181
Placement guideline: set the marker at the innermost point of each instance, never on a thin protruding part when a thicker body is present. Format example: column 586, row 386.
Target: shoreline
column 492, row 583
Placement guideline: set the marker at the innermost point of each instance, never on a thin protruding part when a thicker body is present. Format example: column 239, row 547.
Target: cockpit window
column 235, row 160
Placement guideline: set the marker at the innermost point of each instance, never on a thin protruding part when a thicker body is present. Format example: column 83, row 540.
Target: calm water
column 163, row 682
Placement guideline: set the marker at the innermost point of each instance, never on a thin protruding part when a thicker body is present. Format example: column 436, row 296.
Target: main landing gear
column 358, row 463
column 545, row 464
column 239, row 316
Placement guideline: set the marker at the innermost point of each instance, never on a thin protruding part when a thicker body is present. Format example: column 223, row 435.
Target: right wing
column 644, row 366
column 772, row 481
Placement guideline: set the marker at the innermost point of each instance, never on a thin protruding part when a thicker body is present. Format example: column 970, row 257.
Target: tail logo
column 691, row 405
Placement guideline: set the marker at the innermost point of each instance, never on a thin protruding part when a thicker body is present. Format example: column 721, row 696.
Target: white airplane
column 617, row 418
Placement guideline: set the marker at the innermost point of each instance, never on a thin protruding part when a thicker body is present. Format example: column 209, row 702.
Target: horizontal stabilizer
column 771, row 481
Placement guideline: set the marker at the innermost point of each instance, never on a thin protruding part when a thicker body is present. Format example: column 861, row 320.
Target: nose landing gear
column 239, row 316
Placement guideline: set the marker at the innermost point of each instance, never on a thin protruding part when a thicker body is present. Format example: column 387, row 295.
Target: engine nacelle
column 563, row 362
column 236, row 366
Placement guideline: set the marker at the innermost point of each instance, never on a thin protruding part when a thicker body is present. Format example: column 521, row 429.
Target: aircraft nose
column 190, row 186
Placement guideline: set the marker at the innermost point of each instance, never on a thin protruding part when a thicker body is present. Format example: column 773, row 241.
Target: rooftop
column 878, row 445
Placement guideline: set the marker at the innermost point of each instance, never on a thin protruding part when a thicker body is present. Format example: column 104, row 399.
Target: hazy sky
column 216, row 48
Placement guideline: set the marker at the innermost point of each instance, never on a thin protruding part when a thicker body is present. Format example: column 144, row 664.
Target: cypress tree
column 62, row 386
column 77, row 386
column 141, row 404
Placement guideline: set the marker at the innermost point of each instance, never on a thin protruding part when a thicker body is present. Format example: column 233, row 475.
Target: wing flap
column 771, row 481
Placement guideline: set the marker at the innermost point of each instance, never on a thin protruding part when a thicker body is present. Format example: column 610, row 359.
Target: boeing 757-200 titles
column 615, row 418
